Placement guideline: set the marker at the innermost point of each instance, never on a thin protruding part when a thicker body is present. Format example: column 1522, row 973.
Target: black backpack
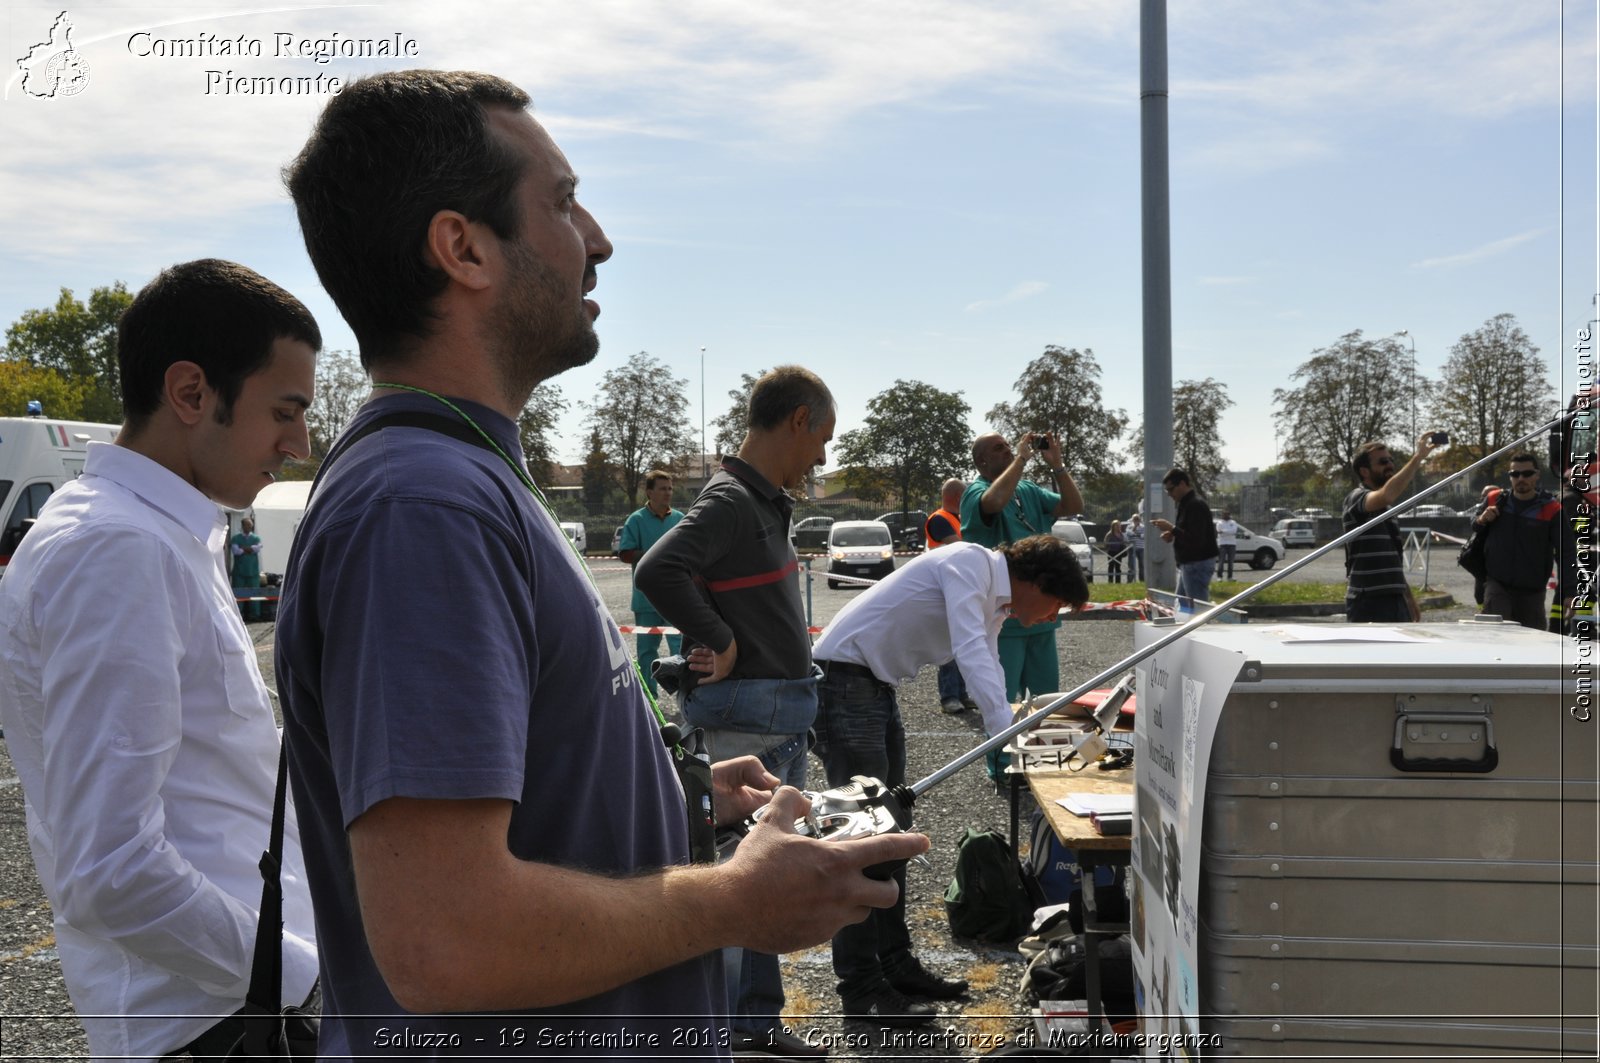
column 986, row 901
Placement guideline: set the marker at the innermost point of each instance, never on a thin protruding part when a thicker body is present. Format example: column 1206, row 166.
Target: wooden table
column 1092, row 848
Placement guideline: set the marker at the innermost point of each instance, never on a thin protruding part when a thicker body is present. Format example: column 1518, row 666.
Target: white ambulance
column 38, row 455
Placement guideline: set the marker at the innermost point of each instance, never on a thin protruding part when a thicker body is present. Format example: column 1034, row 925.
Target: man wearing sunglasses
column 1523, row 540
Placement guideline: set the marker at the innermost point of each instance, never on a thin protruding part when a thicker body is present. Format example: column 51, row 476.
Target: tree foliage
column 60, row 397
column 342, row 386
column 79, row 341
column 1350, row 393
column 1059, row 393
column 641, row 415
column 1197, row 408
column 1499, row 391
column 913, row 438
column 732, row 426
column 536, row 427
column 599, row 475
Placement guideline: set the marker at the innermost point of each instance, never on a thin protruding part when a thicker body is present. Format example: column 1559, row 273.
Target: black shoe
column 889, row 1007
column 775, row 1044
column 915, row 980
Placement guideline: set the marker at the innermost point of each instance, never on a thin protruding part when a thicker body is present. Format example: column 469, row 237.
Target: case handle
column 1398, row 756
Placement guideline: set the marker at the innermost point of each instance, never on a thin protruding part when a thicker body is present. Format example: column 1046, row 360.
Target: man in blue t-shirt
column 490, row 817
column 640, row 532
column 1000, row 506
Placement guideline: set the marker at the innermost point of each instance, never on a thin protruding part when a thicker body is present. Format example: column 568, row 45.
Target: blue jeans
column 859, row 732
column 951, row 685
column 1225, row 555
column 1194, row 583
column 1135, row 564
column 754, row 981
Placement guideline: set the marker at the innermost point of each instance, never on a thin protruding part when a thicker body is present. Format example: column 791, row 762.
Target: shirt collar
column 760, row 484
column 157, row 485
column 1002, row 581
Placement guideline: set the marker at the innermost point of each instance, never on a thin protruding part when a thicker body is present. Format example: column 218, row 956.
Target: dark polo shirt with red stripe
column 728, row 571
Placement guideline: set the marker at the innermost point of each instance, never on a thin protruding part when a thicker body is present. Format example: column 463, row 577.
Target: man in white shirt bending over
column 947, row 604
column 132, row 703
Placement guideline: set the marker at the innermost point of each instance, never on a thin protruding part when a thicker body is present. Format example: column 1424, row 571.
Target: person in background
column 1378, row 591
column 1116, row 546
column 642, row 530
column 1193, row 537
column 1523, row 542
column 1136, row 548
column 245, row 549
column 943, row 527
column 1227, row 545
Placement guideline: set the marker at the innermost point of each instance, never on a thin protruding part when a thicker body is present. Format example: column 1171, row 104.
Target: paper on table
column 1344, row 633
column 1105, row 804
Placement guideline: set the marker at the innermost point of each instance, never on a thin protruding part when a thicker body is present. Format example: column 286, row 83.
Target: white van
column 575, row 531
column 277, row 511
column 38, row 455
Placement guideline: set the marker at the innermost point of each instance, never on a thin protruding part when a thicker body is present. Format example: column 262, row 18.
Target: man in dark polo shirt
column 1373, row 562
column 726, row 576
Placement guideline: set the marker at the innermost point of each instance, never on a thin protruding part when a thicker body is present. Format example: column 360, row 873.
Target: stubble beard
column 538, row 333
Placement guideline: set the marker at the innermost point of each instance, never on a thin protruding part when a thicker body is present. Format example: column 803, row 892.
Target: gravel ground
column 37, row 1022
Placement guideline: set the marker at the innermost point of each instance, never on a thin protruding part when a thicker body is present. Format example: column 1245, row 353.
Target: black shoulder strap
column 266, row 970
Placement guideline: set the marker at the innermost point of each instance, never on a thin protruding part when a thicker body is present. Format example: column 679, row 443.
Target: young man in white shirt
column 947, row 604
column 132, row 704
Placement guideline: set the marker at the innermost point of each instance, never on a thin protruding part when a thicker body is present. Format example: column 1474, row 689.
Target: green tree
column 79, row 341
column 913, row 438
column 342, row 386
column 599, row 475
column 1499, row 391
column 60, row 397
column 732, row 426
column 536, row 427
column 641, row 415
column 1350, row 393
column 1197, row 408
column 1059, row 393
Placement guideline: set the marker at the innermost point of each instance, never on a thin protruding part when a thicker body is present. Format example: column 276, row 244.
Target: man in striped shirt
column 1378, row 591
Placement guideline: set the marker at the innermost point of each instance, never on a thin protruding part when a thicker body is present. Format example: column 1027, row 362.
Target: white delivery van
column 38, row 455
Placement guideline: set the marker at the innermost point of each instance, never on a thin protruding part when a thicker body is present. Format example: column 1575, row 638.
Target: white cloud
column 1482, row 252
column 1025, row 290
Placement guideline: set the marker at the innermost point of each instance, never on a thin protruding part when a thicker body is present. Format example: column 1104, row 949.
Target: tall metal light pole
column 1156, row 284
column 705, row 472
column 1413, row 341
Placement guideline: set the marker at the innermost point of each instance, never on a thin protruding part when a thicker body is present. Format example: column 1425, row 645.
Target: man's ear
column 185, row 390
column 460, row 249
column 800, row 419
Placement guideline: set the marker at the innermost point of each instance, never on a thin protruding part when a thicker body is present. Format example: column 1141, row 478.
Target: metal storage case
column 1399, row 846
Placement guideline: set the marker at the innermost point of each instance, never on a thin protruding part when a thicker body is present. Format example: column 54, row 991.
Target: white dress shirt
column 948, row 602
column 139, row 725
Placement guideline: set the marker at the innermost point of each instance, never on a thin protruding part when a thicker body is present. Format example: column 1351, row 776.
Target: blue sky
column 926, row 190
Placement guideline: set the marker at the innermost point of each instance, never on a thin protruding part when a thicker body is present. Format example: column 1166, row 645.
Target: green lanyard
column 522, row 474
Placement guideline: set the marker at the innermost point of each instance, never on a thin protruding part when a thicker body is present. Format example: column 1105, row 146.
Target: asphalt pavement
column 36, row 1017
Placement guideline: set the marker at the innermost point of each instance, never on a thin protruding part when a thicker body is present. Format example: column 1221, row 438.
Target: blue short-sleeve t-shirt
column 438, row 639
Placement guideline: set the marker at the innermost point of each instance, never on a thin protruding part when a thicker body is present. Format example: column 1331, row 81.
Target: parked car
column 811, row 533
column 1295, row 531
column 1313, row 513
column 862, row 548
column 1071, row 532
column 616, row 540
column 906, row 529
column 575, row 532
column 1261, row 551
column 1430, row 510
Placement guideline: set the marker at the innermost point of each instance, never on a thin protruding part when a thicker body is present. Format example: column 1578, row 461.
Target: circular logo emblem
column 66, row 73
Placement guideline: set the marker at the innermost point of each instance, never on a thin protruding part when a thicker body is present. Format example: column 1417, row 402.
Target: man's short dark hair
column 1176, row 476
column 782, row 391
column 220, row 315
column 1524, row 456
column 1362, row 459
column 655, row 476
column 388, row 153
column 1049, row 564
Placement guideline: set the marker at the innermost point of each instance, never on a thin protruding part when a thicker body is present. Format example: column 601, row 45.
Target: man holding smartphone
column 1000, row 507
column 1374, row 562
